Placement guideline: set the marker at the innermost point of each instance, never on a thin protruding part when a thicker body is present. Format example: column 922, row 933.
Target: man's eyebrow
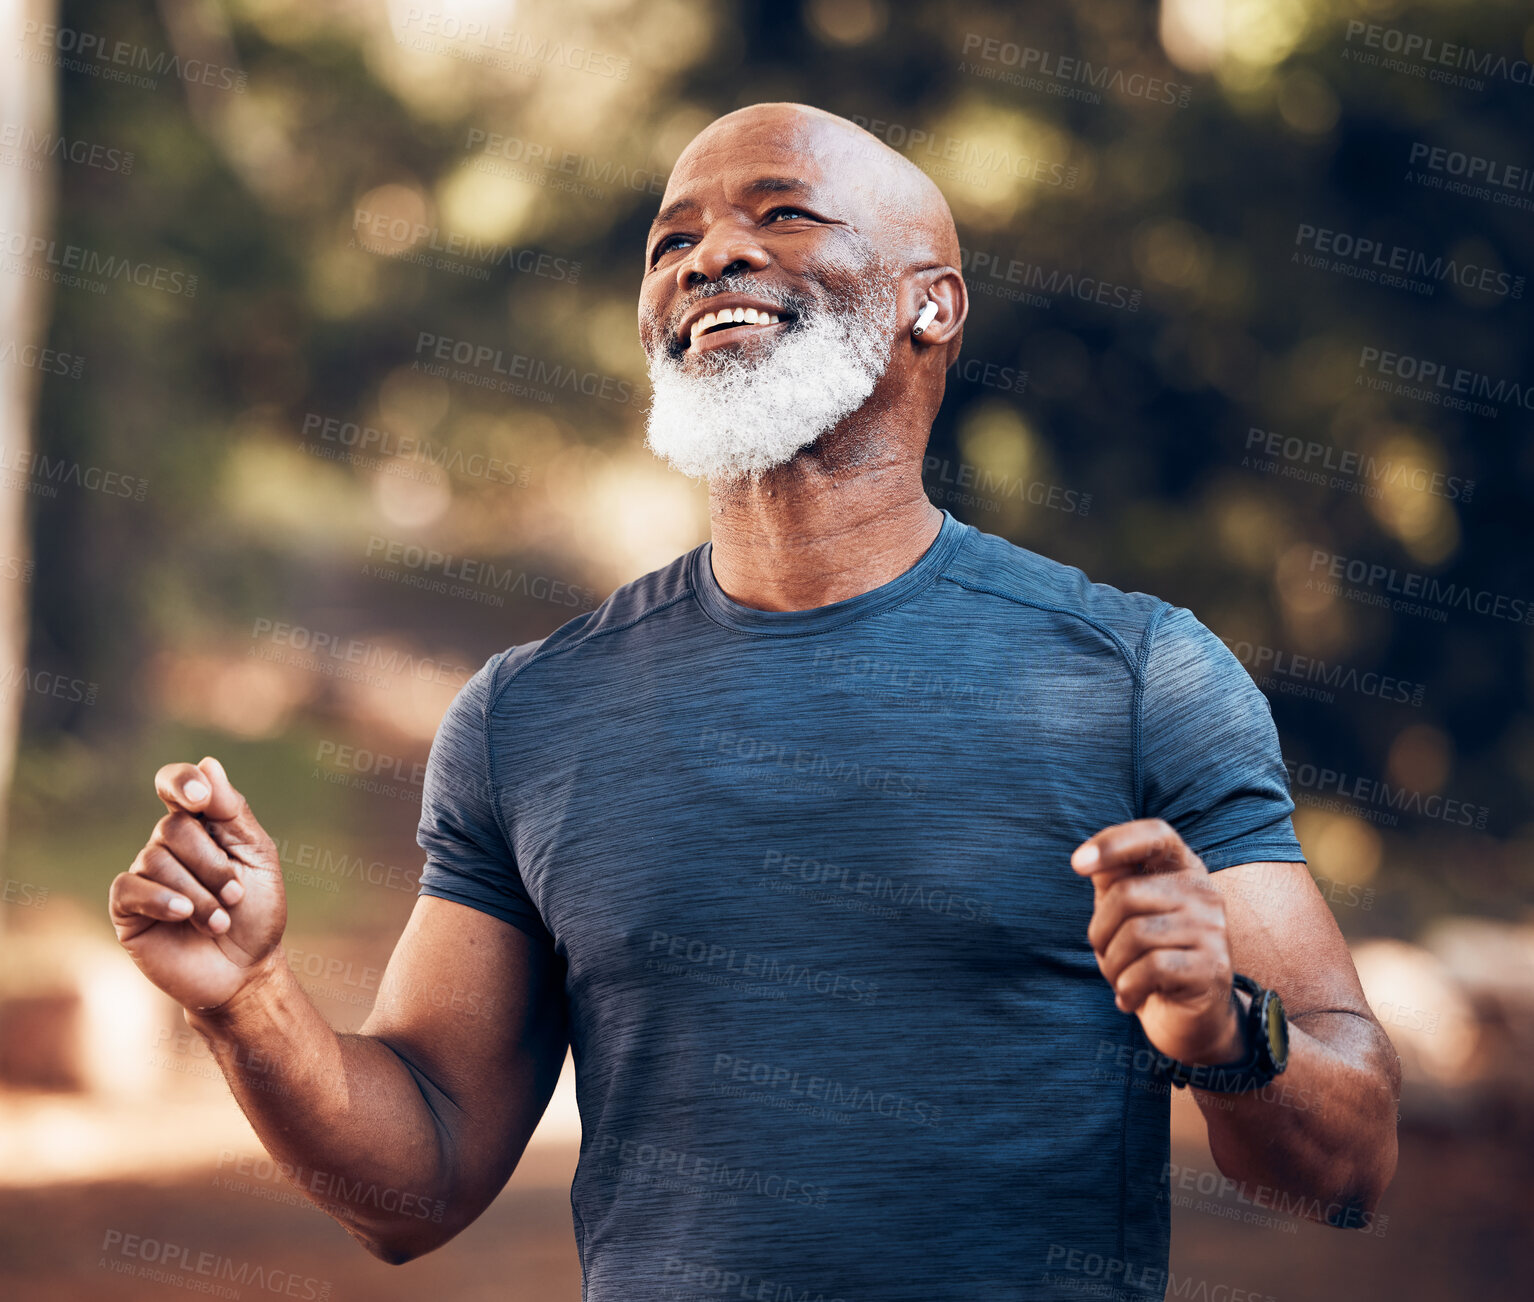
column 672, row 211
column 762, row 185
column 776, row 185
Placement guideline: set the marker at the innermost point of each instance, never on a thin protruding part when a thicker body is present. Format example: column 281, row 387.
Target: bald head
column 895, row 205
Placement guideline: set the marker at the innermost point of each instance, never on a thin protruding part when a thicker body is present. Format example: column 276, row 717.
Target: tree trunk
column 27, row 183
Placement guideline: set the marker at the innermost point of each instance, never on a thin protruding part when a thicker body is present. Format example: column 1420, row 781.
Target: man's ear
column 947, row 292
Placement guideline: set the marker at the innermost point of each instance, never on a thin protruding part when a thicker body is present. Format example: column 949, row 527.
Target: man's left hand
column 1158, row 930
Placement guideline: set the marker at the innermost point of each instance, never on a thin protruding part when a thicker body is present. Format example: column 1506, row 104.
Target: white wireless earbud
column 924, row 319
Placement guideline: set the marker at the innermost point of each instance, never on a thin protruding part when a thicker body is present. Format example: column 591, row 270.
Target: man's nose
column 727, row 250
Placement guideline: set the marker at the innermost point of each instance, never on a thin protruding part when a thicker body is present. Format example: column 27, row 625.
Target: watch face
column 1278, row 1031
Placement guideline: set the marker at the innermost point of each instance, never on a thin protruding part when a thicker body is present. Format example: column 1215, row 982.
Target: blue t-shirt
column 838, row 1031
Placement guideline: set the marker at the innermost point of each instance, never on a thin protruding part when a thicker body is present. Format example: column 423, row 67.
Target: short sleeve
column 1210, row 763
column 468, row 859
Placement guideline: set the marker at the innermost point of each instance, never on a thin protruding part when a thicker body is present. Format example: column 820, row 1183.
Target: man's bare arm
column 1168, row 934
column 404, row 1132
column 1326, row 1128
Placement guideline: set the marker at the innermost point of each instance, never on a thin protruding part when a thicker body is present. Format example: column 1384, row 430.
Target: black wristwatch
column 1266, row 1032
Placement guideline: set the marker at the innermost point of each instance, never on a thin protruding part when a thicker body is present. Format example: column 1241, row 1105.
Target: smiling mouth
column 734, row 323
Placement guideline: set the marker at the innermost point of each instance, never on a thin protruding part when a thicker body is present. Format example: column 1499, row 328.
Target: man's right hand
column 201, row 910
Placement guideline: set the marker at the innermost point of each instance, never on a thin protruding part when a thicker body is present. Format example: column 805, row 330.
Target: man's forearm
column 1325, row 1129
column 356, row 1127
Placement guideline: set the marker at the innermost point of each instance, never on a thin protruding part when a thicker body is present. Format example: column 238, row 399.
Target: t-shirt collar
column 724, row 610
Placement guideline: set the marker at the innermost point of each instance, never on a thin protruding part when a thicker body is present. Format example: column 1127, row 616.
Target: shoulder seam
column 490, row 792
column 581, row 641
column 1118, row 642
column 1142, row 658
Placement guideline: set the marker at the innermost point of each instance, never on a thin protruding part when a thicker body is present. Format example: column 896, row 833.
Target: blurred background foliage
column 357, row 121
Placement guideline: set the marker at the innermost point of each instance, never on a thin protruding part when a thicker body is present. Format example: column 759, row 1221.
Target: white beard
column 740, row 413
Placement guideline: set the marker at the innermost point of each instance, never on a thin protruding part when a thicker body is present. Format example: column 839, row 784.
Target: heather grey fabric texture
column 837, row 1029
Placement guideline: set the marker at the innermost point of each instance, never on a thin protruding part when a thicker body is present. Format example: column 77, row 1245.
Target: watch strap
column 1254, row 1069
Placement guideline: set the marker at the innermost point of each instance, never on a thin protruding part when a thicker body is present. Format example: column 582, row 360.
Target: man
column 879, row 874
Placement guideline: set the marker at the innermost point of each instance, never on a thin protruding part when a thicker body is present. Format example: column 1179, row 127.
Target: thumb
column 226, row 805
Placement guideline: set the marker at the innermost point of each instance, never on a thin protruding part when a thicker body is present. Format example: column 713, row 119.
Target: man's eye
column 786, row 212
column 669, row 243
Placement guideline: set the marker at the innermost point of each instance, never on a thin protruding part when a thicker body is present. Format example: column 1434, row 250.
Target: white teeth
column 726, row 316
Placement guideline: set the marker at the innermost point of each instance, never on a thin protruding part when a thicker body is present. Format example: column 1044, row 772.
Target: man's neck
column 810, row 534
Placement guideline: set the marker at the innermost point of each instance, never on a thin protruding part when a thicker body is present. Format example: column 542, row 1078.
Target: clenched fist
column 201, row 909
column 1158, row 930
